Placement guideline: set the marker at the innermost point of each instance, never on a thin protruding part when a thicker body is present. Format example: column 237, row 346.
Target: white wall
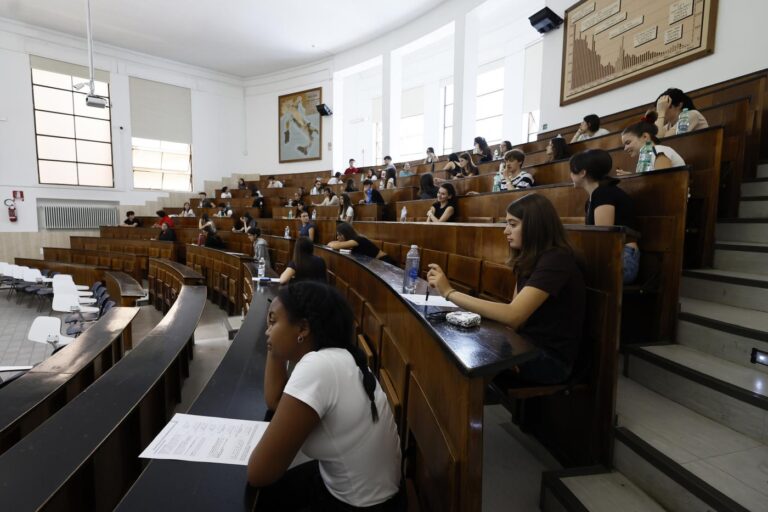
column 218, row 121
column 740, row 48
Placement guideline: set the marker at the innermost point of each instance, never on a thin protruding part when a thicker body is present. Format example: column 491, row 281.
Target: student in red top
column 163, row 218
column 351, row 169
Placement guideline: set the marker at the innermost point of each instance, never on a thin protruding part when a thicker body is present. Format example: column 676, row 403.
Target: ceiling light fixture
column 759, row 357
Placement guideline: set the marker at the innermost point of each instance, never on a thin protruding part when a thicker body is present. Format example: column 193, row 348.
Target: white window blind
column 65, row 68
column 160, row 111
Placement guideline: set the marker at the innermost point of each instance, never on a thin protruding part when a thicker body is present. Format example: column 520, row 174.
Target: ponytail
column 646, row 124
column 369, row 381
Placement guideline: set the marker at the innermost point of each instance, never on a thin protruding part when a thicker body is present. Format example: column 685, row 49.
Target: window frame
column 160, row 171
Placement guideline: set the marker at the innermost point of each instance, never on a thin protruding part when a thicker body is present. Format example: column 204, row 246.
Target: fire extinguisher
column 11, row 204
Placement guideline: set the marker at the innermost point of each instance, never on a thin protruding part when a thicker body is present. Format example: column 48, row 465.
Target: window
column 377, row 131
column 447, row 102
column 411, row 137
column 161, row 165
column 489, row 110
column 74, row 141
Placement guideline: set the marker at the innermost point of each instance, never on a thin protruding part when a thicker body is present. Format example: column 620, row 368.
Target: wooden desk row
column 166, row 279
column 222, row 273
column 81, row 274
column 121, row 243
column 106, row 259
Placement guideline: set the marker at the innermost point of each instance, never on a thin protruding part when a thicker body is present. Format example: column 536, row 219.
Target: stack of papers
column 434, row 300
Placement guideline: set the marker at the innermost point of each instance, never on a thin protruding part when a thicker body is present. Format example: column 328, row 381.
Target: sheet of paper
column 206, row 439
column 434, row 300
column 271, row 279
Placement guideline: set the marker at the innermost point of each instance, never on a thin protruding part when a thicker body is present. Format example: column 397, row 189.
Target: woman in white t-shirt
column 589, row 129
column 330, row 407
column 636, row 135
column 346, row 212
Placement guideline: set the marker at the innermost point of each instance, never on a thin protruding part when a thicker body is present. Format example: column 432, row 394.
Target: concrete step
column 753, row 207
column 595, row 490
column 737, row 289
column 755, row 187
column 746, row 257
column 723, row 331
column 663, row 446
column 727, row 393
column 762, row 170
column 742, row 230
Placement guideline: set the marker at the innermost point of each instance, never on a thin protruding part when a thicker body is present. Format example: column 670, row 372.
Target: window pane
column 449, row 94
column 94, row 152
column 147, row 179
column 174, row 147
column 448, row 140
column 174, row 162
column 81, row 109
column 489, row 81
column 95, row 175
column 64, row 173
column 60, row 125
column 490, row 129
column 52, row 99
column 448, row 116
column 490, row 105
column 145, row 143
column 147, row 159
column 100, row 88
column 411, row 126
column 49, row 148
column 41, row 77
column 92, row 129
column 176, row 182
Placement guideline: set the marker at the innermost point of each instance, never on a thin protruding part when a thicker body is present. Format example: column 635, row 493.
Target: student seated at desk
column 445, row 209
column 548, row 304
column 163, row 217
column 260, row 246
column 205, row 221
column 274, row 183
column 335, row 179
column 370, row 194
column 347, row 238
column 166, row 233
column 350, row 186
column 305, row 265
column 388, row 178
column 187, row 211
column 557, row 149
column 330, row 407
column 204, row 201
column 245, row 223
column 514, row 177
column 431, row 156
column 452, row 165
column 241, row 184
column 607, row 205
column 670, row 105
column 224, row 210
column 306, row 228
column 130, row 220
column 482, row 150
column 330, row 198
column 346, row 212
column 588, row 129
column 427, row 188
column 209, row 238
column 351, row 169
column 636, row 135
column 225, row 193
column 405, row 171
column 467, row 166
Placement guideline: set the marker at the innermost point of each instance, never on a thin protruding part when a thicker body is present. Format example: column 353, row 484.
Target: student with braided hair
column 330, row 406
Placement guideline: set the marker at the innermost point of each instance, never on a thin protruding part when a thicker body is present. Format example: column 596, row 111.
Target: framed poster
column 609, row 43
column 300, row 127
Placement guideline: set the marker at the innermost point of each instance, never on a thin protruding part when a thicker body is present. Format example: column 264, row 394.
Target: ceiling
column 239, row 37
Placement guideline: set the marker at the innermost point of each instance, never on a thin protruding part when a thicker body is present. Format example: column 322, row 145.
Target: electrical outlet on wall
column 544, row 126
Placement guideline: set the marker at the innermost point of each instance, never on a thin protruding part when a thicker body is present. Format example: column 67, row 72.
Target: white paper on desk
column 271, row 279
column 434, row 300
column 206, row 439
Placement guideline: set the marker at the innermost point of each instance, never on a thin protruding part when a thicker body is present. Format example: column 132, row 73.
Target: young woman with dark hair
column 557, row 149
column 330, row 407
column 245, row 223
column 330, row 198
column 187, row 211
column 305, row 265
column 166, row 233
column 431, row 156
column 589, row 129
column 549, row 301
column 163, row 217
column 483, row 150
column 452, row 165
column 241, row 184
column 225, row 193
column 260, row 246
column 350, row 187
column 669, row 105
column 306, row 228
column 348, row 238
column 445, row 209
column 389, row 178
column 607, row 205
column 211, row 238
column 346, row 212
column 205, row 221
column 637, row 134
column 468, row 167
column 427, row 188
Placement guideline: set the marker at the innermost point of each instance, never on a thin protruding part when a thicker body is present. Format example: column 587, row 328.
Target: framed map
column 300, row 129
column 608, row 43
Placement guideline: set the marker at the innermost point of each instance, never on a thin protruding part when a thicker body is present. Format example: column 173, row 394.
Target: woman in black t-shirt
column 607, row 205
column 427, row 188
column 446, row 207
column 305, row 265
column 547, row 307
column 347, row 238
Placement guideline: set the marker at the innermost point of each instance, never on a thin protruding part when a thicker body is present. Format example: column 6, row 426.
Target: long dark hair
column 597, row 163
column 346, row 230
column 471, row 169
column 390, row 173
column 559, row 148
column 330, row 321
column 302, row 254
column 427, row 185
column 678, row 97
column 484, row 148
column 344, row 204
column 542, row 231
column 453, row 201
column 646, row 124
column 350, row 186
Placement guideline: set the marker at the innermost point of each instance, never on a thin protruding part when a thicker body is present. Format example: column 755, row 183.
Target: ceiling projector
column 96, row 101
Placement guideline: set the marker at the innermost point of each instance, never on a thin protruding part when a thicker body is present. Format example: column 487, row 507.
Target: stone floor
column 513, row 462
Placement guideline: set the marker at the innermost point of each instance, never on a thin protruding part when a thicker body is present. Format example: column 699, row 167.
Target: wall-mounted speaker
column 324, row 109
column 545, row 20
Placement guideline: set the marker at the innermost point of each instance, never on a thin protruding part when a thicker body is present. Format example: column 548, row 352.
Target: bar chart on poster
column 610, row 42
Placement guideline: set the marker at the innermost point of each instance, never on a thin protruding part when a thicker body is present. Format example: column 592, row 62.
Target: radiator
column 78, row 216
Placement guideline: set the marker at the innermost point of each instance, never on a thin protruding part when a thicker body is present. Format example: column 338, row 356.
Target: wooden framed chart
column 608, row 43
column 299, row 126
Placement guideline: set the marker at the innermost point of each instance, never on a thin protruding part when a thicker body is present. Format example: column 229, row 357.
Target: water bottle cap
column 414, row 246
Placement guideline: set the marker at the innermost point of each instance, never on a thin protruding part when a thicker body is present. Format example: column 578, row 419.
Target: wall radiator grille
column 78, row 216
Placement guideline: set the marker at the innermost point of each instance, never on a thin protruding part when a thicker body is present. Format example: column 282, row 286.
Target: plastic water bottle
column 645, row 159
column 314, row 214
column 496, row 182
column 683, row 121
column 403, row 214
column 262, row 267
column 411, row 273
column 495, row 154
column 287, row 232
column 290, row 214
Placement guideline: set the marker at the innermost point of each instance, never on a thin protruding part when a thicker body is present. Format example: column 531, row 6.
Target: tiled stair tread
column 727, row 273
column 730, row 373
column 739, row 244
column 675, row 430
column 741, row 476
column 610, row 492
column 748, row 318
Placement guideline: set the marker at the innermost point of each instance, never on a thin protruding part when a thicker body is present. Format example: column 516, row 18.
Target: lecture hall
column 416, row 255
